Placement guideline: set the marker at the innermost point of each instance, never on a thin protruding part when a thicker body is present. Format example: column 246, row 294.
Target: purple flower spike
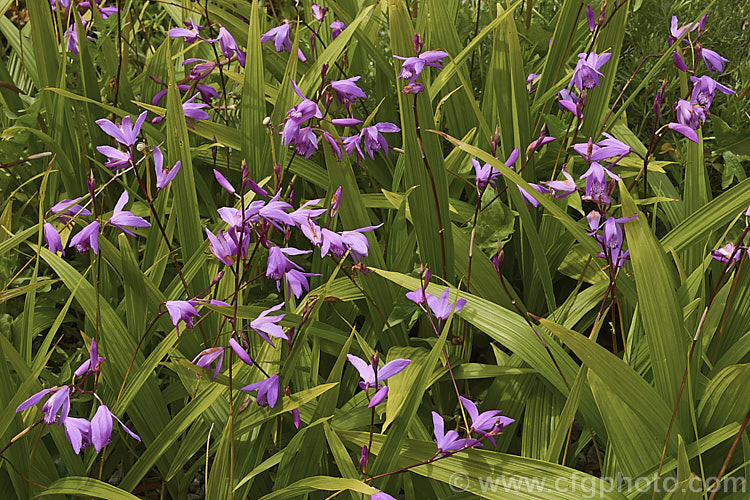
column 101, row 428
column 488, row 422
column 596, row 183
column 182, row 310
column 91, row 365
column 78, row 433
column 445, row 441
column 704, row 89
column 443, row 307
column 122, row 217
column 586, row 73
column 337, row 27
column 53, row 238
column 240, row 352
column 88, row 237
column 126, row 133
column 268, row 391
column 208, row 356
column 369, row 376
column 164, row 175
column 265, row 325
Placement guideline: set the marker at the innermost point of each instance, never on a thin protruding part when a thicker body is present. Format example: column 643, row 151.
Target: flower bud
column 418, row 43
column 364, row 457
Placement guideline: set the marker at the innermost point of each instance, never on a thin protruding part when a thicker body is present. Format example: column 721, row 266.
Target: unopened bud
column 495, row 141
column 267, row 121
column 364, row 457
column 141, row 147
column 418, row 43
column 375, row 359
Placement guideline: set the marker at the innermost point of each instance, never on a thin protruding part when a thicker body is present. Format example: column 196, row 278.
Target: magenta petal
column 379, row 397
column 36, row 398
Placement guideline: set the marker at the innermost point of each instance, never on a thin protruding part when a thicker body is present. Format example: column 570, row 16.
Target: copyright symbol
column 458, row 481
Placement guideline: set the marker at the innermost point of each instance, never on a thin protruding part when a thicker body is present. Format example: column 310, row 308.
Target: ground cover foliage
column 407, row 249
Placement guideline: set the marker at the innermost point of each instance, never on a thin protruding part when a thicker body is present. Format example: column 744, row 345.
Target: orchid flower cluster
column 485, row 425
column 732, row 253
column 691, row 113
column 71, row 34
column 80, row 432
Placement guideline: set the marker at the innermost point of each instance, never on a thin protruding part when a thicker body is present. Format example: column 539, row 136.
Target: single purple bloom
column 305, row 142
column 445, row 441
column 488, row 422
column 412, row 88
column 335, row 148
column 612, row 240
column 333, row 242
column 412, row 67
column 126, row 133
column 53, row 238
column 417, row 296
column 265, row 325
column 337, row 27
column 318, row 12
column 122, row 217
column 347, row 90
column 373, row 139
column 91, row 365
column 371, row 378
column 704, row 90
column 225, row 246
column 352, row 143
column 562, row 188
column 676, row 33
column 543, row 139
column 190, row 33
column 596, row 183
column 268, row 391
column 279, row 264
column 443, row 307
column 229, row 46
column 586, row 73
column 164, row 175
column 199, row 71
column 101, row 428
column 68, row 208
column 240, row 352
column 712, row 60
column 296, row 281
column 570, row 102
column 182, row 310
column 357, row 242
column 280, row 37
column 690, row 114
column 726, row 253
column 303, row 215
column 194, row 110
column 208, row 356
column 484, row 175
column 88, row 237
column 335, row 202
column 116, row 159
column 59, row 401
column 678, row 61
column 78, row 433
column 275, row 211
column 72, row 39
column 530, row 200
column 606, row 148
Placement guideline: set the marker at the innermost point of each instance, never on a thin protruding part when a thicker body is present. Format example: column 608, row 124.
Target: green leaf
column 88, row 487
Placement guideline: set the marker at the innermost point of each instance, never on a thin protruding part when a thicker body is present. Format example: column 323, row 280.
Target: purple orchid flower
column 596, row 183
column 296, row 281
column 443, row 307
column 265, row 325
column 530, row 81
column 101, row 428
column 704, row 90
column 116, row 159
column 59, row 402
column 347, row 90
column 318, row 12
column 484, row 175
column 194, row 110
column 88, row 237
column 371, row 378
column 279, row 264
column 122, row 217
column 412, row 67
column 445, row 441
column 337, row 27
column 357, row 242
column 562, row 188
column 676, row 33
column 488, row 422
column 570, row 102
column 91, row 365
column 126, row 133
column 182, row 310
column 54, row 243
column 280, row 37
column 208, row 356
column 68, row 208
column 529, row 200
column 240, row 352
column 612, row 239
column 586, row 73
column 712, row 60
column 268, row 391
column 225, row 246
column 164, row 175
column 373, row 139
column 299, row 114
column 78, row 433
column 690, row 116
column 229, row 46
column 727, row 253
column 190, row 33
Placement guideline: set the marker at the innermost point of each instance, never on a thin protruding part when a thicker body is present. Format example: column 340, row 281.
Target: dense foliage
column 406, row 249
